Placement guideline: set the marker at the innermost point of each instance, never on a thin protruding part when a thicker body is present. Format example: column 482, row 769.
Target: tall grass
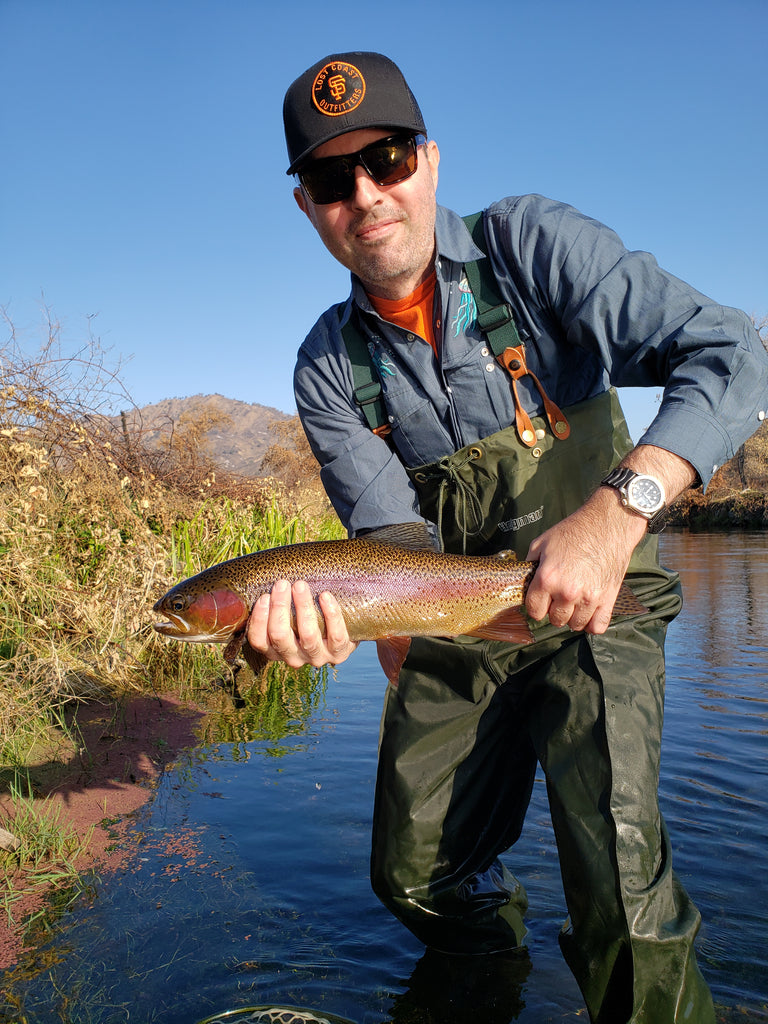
column 224, row 529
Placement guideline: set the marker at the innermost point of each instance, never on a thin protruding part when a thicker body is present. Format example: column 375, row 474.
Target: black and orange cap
column 342, row 93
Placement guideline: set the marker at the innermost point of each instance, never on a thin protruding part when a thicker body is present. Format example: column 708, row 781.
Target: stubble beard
column 380, row 265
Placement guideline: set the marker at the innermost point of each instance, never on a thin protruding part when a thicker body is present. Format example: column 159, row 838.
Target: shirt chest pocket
column 420, row 427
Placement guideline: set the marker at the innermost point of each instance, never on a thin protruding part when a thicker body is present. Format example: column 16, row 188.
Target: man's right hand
column 271, row 633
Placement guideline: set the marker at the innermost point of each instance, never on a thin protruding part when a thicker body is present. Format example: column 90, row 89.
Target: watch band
column 658, row 520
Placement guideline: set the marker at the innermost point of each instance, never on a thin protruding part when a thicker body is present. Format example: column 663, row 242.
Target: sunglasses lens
column 391, row 161
column 328, row 182
column 332, row 180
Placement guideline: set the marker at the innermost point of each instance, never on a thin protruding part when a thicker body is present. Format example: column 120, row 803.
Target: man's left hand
column 583, row 559
column 582, row 563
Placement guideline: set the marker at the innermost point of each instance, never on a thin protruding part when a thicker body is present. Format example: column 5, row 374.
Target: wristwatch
column 642, row 494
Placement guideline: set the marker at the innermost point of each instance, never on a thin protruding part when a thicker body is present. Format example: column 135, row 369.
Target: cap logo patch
column 338, row 88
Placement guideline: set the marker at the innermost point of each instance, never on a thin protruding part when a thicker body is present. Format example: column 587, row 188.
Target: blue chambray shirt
column 591, row 314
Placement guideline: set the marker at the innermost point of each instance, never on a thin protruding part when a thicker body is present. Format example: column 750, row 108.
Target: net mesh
column 272, row 1015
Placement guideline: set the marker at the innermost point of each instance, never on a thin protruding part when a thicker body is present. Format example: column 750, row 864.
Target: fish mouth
column 176, row 627
column 179, row 629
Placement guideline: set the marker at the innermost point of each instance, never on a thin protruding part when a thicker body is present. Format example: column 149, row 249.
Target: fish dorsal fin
column 413, row 536
column 510, row 625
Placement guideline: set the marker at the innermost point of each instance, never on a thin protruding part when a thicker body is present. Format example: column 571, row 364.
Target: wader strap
column 367, row 386
column 513, row 360
column 495, row 319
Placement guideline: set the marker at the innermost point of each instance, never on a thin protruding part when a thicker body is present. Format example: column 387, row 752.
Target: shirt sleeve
column 648, row 329
column 365, row 481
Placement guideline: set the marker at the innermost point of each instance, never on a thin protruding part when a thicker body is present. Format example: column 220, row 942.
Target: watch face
column 645, row 494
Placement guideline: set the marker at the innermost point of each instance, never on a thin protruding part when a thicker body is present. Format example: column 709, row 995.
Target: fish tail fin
column 392, row 651
column 510, row 625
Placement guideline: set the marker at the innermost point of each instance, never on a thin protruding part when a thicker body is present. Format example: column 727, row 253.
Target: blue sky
column 143, row 185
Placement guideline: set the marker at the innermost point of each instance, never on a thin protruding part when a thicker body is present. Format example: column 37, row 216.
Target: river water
column 248, row 881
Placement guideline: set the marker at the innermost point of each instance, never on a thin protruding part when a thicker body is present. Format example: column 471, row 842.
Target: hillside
column 237, row 443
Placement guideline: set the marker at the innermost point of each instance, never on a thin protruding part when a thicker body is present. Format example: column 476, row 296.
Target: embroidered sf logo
column 338, row 88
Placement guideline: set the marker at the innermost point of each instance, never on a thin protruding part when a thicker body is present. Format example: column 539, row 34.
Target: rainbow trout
column 390, row 587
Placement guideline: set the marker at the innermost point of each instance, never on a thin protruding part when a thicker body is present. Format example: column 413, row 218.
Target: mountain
column 237, row 443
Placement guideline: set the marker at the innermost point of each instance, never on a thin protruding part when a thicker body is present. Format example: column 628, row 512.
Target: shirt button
column 761, row 414
column 411, row 337
column 490, row 367
column 540, row 434
column 484, row 352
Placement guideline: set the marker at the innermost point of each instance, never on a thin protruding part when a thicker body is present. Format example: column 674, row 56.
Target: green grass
column 48, row 847
column 221, row 530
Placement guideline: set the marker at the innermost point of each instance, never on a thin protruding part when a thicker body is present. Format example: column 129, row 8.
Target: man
column 526, row 451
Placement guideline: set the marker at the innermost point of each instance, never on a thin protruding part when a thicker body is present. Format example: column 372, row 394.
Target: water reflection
column 724, row 580
column 714, row 763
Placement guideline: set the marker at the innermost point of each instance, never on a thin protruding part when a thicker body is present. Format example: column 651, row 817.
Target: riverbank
column 720, row 510
column 91, row 787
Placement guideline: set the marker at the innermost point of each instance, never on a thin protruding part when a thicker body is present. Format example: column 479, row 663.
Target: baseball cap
column 342, row 93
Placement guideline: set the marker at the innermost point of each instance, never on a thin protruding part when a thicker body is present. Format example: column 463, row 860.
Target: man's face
column 383, row 233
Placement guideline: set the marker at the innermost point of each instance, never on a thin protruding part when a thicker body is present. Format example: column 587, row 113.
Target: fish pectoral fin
column 392, row 651
column 235, row 642
column 510, row 625
column 627, row 603
column 238, row 647
column 255, row 660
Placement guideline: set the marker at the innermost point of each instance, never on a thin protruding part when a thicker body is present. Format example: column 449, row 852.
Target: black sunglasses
column 388, row 161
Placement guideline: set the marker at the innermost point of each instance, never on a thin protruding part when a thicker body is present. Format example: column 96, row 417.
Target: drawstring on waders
column 468, row 511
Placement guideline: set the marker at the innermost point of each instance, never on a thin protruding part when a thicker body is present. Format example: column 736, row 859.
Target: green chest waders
column 499, row 493
column 463, row 731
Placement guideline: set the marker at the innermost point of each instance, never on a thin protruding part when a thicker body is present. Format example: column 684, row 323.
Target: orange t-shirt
column 414, row 313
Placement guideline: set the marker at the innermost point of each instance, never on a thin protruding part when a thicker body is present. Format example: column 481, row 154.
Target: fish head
column 202, row 616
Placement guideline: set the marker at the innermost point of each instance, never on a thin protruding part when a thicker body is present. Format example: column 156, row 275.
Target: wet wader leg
column 596, row 723
column 455, row 777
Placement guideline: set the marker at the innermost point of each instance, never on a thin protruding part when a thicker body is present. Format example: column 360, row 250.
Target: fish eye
column 178, row 604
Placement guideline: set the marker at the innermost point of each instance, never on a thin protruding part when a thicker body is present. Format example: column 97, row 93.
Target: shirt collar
column 453, row 239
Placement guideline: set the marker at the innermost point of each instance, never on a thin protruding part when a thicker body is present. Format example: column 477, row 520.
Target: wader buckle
column 514, row 362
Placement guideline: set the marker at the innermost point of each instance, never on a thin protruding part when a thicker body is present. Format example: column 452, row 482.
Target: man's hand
column 271, row 632
column 582, row 563
column 584, row 558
